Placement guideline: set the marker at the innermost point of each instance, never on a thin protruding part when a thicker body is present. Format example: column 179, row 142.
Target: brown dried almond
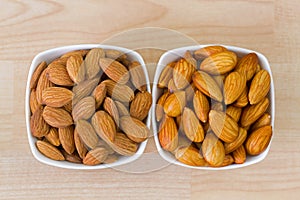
column 104, row 126
column 141, row 105
column 208, row 51
column 260, row 86
column 137, row 75
column 33, row 101
column 234, row 86
column 190, row 59
column 114, row 54
column 57, row 117
column 201, row 106
column 66, row 138
column 171, row 86
column 74, row 157
column 206, row 84
column 84, row 109
column 135, row 129
column 264, row 120
column 80, row 146
column 119, row 92
column 114, row 70
column 49, row 150
column 99, row 94
column 111, row 159
column 123, row 145
column 110, row 107
column 234, row 112
column 190, row 92
column 56, row 96
column 232, row 146
column 190, row 156
column 87, row 133
column 228, row 160
column 159, row 110
column 247, row 65
column 166, row 75
column 175, row 103
column 168, row 134
column 258, row 140
column 37, row 74
column 192, row 126
column 53, row 137
column 81, row 52
column 239, row 155
column 73, row 67
column 213, row 150
column 42, row 84
column 182, row 73
column 84, row 89
column 58, row 75
column 242, row 101
column 91, row 62
column 38, row 126
column 95, row 156
column 123, row 110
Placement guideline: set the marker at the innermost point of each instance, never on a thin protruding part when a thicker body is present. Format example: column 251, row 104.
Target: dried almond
column 253, row 112
column 33, row 101
column 110, row 107
column 171, row 86
column 87, row 133
column 228, row 160
column 114, row 70
column 206, row 84
column 247, row 65
column 159, row 110
column 258, row 140
column 168, row 134
column 110, row 159
column 223, row 126
column 84, row 89
column 80, row 147
column 95, row 156
column 53, row 137
column 191, row 126
column 119, row 92
column 49, row 150
column 219, row 63
column 66, row 138
column 166, row 75
column 84, row 109
column 219, row 80
column 190, row 156
column 190, row 59
column 104, row 126
column 190, row 92
column 137, row 75
column 135, row 129
column 57, row 117
column 38, row 126
column 37, row 74
column 123, row 110
column 91, row 62
column 141, row 105
column 74, row 158
column 81, row 52
column 58, row 75
column 73, row 67
column 264, row 120
column 208, row 51
column 234, row 85
column 234, row 112
column 175, row 103
column 213, row 150
column 201, row 106
column 239, row 155
column 114, row 54
column 242, row 101
column 123, row 145
column 230, row 147
column 56, row 96
column 260, row 86
column 99, row 94
column 182, row 73
column 42, row 84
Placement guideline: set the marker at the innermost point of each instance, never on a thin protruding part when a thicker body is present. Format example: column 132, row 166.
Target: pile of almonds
column 213, row 110
column 89, row 106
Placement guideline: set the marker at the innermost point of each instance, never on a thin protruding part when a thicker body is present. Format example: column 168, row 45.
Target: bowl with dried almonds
column 213, row 107
column 87, row 106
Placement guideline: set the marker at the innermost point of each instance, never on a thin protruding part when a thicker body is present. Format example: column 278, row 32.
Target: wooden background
column 268, row 26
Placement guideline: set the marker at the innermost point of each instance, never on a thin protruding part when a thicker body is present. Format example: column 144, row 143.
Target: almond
column 182, row 73
column 190, row 92
column 219, row 80
column 219, row 63
column 123, row 110
column 260, row 86
column 111, row 108
column 58, row 75
column 38, row 126
column 110, row 159
column 242, row 101
column 37, row 74
column 104, row 126
column 66, row 138
column 264, row 120
column 135, row 129
column 114, row 54
column 119, row 92
column 60, row 61
column 80, row 147
column 123, row 145
column 74, row 158
column 87, row 133
column 141, row 105
column 81, row 52
column 168, row 134
column 247, row 65
column 213, row 150
column 114, row 70
column 201, row 106
column 171, row 86
column 258, row 140
column 56, row 96
column 190, row 59
column 53, row 137
column 175, row 103
column 191, row 126
column 239, row 155
column 234, row 112
column 166, row 75
column 206, row 84
column 137, row 75
column 57, row 117
column 252, row 112
column 33, row 103
column 49, row 150
column 99, row 94
column 42, row 84
column 208, row 51
column 95, row 156
column 84, row 89
column 91, row 62
column 228, row 160
column 223, row 126
column 73, row 67
column 230, row 147
column 84, row 109
column 190, row 156
column 159, row 110
column 234, row 85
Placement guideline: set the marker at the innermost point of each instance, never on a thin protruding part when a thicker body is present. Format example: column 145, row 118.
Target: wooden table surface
column 268, row 26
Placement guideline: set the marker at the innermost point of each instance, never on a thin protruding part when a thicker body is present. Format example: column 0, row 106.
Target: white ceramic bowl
column 50, row 55
column 156, row 92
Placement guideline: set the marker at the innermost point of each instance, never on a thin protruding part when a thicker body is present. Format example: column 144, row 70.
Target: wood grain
column 268, row 26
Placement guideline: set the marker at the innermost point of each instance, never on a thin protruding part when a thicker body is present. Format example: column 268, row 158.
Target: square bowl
column 50, row 55
column 173, row 55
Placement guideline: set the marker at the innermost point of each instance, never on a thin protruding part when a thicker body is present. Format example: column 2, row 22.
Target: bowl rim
column 31, row 139
column 179, row 52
